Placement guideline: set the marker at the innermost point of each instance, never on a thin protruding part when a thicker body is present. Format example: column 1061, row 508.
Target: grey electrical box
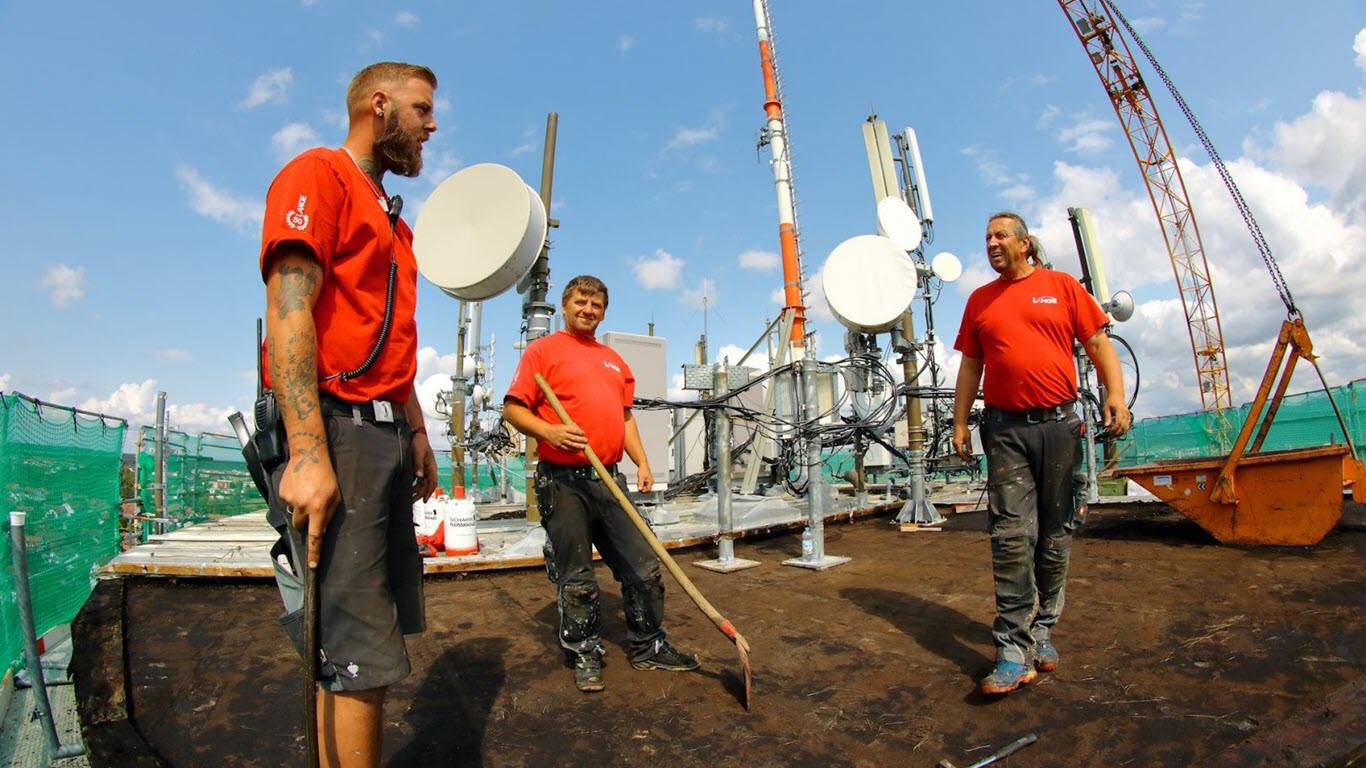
column 648, row 358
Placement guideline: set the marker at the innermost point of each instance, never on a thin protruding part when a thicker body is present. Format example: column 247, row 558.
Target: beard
column 400, row 151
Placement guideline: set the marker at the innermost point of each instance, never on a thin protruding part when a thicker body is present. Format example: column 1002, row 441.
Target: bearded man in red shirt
column 1021, row 329
column 340, row 356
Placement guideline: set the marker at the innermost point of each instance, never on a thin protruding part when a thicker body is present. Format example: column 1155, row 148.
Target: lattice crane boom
column 1109, row 54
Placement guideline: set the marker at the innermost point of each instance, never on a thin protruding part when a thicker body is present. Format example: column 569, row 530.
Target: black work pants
column 1033, row 512
column 578, row 511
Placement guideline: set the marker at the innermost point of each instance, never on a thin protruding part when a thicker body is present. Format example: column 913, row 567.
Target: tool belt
column 1035, row 416
column 561, row 471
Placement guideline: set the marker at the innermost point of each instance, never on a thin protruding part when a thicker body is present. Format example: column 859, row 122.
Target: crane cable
column 1265, row 250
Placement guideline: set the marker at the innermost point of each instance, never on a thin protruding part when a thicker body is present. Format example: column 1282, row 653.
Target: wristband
column 419, row 430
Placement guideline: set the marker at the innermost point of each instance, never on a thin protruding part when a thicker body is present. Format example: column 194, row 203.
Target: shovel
column 727, row 629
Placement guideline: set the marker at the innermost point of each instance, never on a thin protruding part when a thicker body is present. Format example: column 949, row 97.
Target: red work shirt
column 593, row 384
column 1022, row 330
column 323, row 202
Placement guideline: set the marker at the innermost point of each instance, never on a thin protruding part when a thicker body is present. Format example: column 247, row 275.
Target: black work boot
column 588, row 672
column 668, row 658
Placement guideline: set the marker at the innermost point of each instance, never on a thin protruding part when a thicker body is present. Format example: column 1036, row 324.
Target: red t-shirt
column 322, row 201
column 593, row 384
column 1022, row 331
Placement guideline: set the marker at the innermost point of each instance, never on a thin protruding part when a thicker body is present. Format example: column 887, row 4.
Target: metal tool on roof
column 1006, row 751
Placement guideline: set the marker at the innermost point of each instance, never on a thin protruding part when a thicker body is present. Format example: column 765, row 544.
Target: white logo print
column 297, row 219
column 1044, row 300
column 606, row 364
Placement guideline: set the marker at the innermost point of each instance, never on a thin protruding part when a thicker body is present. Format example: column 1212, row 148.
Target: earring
column 380, row 113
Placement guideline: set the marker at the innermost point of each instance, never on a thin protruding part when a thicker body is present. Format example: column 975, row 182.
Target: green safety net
column 1304, row 420
column 60, row 466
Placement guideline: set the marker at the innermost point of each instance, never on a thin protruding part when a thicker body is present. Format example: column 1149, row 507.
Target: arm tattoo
column 307, row 455
column 297, row 285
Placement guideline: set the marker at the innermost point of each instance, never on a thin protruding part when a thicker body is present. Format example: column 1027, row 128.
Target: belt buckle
column 384, row 411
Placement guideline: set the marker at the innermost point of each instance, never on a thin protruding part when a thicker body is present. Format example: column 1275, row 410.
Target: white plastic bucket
column 462, row 536
column 428, row 516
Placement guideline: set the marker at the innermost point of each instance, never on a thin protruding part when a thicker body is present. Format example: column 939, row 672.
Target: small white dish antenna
column 479, row 232
column 868, row 283
column 1120, row 306
column 947, row 267
column 899, row 222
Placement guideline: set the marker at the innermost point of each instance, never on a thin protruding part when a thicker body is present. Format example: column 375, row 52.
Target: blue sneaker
column 1007, row 676
column 1045, row 656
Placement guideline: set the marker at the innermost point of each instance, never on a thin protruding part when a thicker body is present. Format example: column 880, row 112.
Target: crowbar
column 727, row 629
column 311, row 663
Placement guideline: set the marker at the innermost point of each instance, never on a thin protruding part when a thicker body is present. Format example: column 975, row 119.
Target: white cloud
column 176, row 355
column 1050, row 115
column 659, row 272
column 625, row 43
column 995, row 173
column 1038, row 79
column 1359, row 47
column 293, row 138
column 687, row 137
column 1326, row 148
column 406, row 19
column 136, row 402
column 61, row 396
column 1086, row 135
column 759, row 260
column 704, row 292
column 1145, row 25
column 221, row 205
column 64, row 285
column 714, row 26
column 4, row 381
column 270, row 88
column 522, row 149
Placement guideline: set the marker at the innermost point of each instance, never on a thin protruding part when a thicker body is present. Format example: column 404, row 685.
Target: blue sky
column 143, row 136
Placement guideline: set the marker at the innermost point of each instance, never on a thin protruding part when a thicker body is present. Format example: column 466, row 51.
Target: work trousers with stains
column 578, row 511
column 1033, row 512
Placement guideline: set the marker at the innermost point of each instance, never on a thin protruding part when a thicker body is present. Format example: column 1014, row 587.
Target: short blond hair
column 384, row 73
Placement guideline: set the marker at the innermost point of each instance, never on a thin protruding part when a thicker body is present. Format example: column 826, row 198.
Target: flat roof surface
column 1175, row 651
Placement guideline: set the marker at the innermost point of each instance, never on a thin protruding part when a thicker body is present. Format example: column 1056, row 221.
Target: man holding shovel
column 340, row 352
column 578, row 509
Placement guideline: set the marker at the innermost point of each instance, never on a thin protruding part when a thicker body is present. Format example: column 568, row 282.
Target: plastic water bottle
column 808, row 544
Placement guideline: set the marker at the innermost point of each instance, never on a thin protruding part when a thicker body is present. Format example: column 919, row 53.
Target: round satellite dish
column 899, row 222
column 947, row 267
column 1120, row 306
column 479, row 232
column 869, row 282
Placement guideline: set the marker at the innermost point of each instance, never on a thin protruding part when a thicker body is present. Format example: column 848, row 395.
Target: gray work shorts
column 370, row 575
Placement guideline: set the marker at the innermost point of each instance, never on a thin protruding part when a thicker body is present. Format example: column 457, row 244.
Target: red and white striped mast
column 776, row 135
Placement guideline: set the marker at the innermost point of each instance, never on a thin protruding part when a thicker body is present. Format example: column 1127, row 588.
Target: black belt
column 370, row 410
column 582, row 473
column 1035, row 416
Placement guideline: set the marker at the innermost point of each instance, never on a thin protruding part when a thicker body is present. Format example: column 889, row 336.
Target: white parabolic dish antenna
column 479, row 232
column 947, row 267
column 899, row 222
column 869, row 281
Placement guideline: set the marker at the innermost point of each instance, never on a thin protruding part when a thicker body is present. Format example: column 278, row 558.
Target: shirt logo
column 1044, row 300
column 297, row 219
column 606, row 364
